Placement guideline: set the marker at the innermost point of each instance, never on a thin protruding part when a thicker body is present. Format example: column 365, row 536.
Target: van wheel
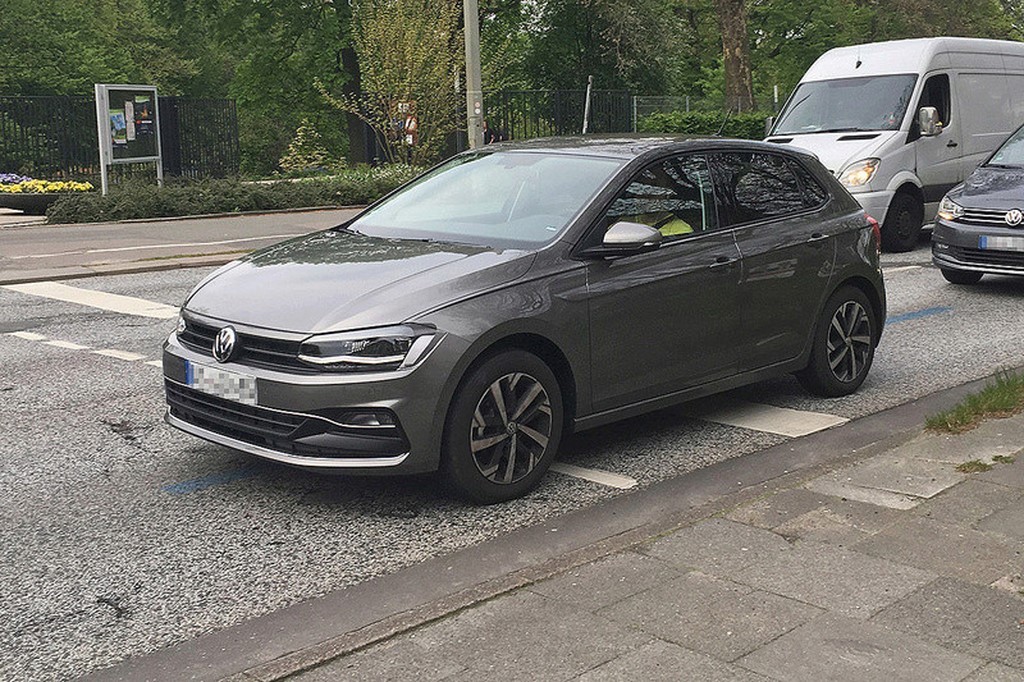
column 961, row 276
column 902, row 224
column 503, row 428
column 843, row 346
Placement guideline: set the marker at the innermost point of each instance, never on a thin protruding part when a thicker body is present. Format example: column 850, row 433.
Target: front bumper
column 956, row 246
column 875, row 204
column 305, row 420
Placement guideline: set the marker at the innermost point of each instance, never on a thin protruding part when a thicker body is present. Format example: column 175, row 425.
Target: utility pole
column 474, row 89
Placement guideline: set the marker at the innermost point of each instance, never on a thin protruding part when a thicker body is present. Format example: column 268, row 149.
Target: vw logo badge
column 224, row 344
column 1014, row 217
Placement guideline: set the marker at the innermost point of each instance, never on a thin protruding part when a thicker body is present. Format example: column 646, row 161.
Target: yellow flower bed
column 44, row 187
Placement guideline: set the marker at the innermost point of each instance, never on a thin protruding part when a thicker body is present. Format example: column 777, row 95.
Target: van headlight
column 859, row 173
column 949, row 209
column 368, row 350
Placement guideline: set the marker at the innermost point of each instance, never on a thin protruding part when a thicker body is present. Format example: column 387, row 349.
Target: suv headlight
column 859, row 173
column 949, row 209
column 367, row 350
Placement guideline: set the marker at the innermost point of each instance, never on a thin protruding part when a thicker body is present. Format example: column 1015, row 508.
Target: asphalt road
column 122, row 536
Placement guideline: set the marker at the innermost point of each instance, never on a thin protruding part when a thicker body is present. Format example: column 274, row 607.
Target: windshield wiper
column 844, row 130
column 1002, row 165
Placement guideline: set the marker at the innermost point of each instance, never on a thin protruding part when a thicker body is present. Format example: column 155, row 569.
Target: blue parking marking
column 204, row 482
column 896, row 319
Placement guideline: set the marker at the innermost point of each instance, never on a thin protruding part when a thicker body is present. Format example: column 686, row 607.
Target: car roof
column 631, row 146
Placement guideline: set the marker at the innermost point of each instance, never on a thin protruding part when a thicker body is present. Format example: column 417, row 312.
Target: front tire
column 902, row 224
column 961, row 276
column 503, row 428
column 843, row 346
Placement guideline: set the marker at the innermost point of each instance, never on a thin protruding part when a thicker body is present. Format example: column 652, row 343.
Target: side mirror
column 626, row 239
column 768, row 123
column 928, row 121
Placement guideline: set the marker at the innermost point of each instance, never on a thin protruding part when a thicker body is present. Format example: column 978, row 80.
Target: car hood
column 336, row 280
column 989, row 187
column 838, row 150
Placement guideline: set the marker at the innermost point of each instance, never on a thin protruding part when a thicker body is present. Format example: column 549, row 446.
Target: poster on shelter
column 129, row 120
column 143, row 116
column 118, row 127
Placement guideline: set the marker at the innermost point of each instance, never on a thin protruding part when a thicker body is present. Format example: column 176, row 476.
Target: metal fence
column 522, row 114
column 54, row 137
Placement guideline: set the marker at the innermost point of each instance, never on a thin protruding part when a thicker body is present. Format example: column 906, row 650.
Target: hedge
column 182, row 198
column 747, row 125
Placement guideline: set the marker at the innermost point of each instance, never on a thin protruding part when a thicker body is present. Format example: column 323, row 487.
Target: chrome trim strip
column 304, row 415
column 295, row 460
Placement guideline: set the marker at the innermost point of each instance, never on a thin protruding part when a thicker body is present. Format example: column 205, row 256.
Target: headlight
column 949, row 209
column 859, row 173
column 367, row 350
column 181, row 324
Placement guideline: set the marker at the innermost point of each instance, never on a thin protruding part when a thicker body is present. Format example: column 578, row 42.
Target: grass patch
column 1004, row 459
column 1003, row 398
column 133, row 199
column 975, row 466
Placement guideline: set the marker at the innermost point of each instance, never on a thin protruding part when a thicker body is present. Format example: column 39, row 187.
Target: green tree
column 410, row 56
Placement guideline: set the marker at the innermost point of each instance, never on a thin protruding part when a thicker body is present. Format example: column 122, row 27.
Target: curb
column 131, row 221
column 316, row 631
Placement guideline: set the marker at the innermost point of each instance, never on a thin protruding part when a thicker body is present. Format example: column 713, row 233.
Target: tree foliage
column 410, row 57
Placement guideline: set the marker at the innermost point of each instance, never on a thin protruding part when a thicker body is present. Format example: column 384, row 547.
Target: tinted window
column 756, row 186
column 673, row 196
column 814, row 194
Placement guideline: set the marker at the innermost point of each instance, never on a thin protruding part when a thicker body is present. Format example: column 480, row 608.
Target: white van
column 901, row 122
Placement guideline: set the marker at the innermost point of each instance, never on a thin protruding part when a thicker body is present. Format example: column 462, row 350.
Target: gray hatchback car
column 511, row 295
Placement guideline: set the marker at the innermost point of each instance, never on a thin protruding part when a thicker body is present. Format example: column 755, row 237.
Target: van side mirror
column 768, row 123
column 928, row 121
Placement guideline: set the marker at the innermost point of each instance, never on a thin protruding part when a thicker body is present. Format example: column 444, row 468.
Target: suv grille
column 260, row 351
column 1012, row 259
column 979, row 216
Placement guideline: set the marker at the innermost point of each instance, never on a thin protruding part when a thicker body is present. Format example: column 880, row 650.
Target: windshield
column 847, row 104
column 500, row 199
column 1011, row 152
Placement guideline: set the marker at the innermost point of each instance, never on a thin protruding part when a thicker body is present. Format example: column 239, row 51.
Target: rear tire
column 843, row 346
column 503, row 428
column 903, row 222
column 961, row 276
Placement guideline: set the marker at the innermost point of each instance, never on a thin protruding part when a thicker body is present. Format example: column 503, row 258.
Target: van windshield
column 847, row 105
column 1011, row 152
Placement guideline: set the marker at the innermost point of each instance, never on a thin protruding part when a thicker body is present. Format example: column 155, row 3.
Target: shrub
column 133, row 199
column 748, row 125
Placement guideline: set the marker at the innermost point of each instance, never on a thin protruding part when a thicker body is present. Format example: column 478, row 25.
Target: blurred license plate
column 221, row 383
column 1001, row 243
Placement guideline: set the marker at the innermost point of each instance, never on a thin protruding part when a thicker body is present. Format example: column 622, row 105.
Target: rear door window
column 756, row 186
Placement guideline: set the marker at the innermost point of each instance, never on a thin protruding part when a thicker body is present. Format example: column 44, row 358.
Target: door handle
column 817, row 237
column 951, row 143
column 720, row 261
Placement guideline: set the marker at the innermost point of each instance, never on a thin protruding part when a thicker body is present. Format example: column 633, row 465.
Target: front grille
column 260, row 351
column 981, row 216
column 1011, row 259
column 271, row 429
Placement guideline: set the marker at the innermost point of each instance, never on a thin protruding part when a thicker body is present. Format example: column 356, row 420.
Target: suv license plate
column 240, row 388
column 1001, row 243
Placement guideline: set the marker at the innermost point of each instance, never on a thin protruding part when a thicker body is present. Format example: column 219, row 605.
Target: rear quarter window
column 758, row 186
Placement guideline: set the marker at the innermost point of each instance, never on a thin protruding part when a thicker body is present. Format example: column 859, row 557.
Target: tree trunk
column 739, row 89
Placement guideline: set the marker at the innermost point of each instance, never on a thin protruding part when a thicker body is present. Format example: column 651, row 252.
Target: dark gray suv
column 511, row 295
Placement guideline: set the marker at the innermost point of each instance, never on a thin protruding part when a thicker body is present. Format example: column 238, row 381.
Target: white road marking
column 595, row 476
column 117, row 303
column 183, row 245
column 120, row 354
column 29, row 336
column 67, row 344
column 889, row 271
column 780, row 420
column 155, row 363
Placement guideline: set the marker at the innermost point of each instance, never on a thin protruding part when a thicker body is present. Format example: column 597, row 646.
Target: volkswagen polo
column 471, row 319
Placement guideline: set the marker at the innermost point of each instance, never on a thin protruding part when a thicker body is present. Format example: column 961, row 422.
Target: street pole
column 474, row 89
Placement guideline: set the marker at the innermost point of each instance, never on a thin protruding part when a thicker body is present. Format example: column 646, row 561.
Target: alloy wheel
column 511, row 428
column 849, row 341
